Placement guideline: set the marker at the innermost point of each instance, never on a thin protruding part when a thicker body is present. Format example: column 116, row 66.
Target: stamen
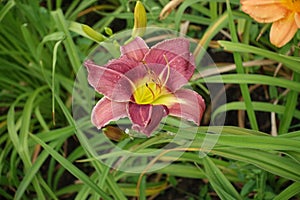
column 168, row 70
column 153, row 77
column 153, row 95
column 158, row 87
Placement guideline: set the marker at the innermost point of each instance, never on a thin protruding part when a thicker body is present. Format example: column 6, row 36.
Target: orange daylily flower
column 285, row 15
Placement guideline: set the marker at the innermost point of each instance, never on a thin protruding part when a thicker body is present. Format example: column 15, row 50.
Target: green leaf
column 219, row 182
column 8, row 6
column 282, row 166
column 251, row 79
column 71, row 168
column 291, row 62
column 289, row 192
column 240, row 70
column 258, row 106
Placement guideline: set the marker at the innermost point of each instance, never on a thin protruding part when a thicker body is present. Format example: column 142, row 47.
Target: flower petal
column 259, row 2
column 139, row 114
column 166, row 99
column 135, row 50
column 122, row 64
column 110, row 83
column 297, row 19
column 264, row 11
column 106, row 111
column 283, row 31
column 181, row 70
column 145, row 118
column 190, row 106
column 184, row 64
column 137, row 73
column 176, row 52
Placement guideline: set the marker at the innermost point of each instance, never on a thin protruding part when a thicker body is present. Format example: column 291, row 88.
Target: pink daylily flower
column 145, row 85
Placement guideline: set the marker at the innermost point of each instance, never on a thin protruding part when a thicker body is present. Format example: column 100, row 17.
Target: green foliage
column 45, row 155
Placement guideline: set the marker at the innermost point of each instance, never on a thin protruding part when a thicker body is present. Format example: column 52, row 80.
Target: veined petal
column 190, row 106
column 122, row 64
column 264, row 11
column 184, row 64
column 135, row 50
column 139, row 115
column 181, row 70
column 137, row 73
column 145, row 118
column 106, row 111
column 113, row 84
column 175, row 57
column 166, row 51
column 297, row 19
column 283, row 31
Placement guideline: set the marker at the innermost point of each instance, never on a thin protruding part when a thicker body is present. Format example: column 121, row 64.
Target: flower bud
column 140, row 20
column 114, row 133
column 108, row 31
column 92, row 33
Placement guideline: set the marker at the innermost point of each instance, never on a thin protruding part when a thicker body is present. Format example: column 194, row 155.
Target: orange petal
column 259, row 2
column 264, row 13
column 297, row 19
column 283, row 31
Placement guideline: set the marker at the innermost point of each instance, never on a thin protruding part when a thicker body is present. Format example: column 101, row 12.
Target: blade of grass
column 141, row 191
column 196, row 19
column 210, row 32
column 267, row 143
column 258, row 106
column 29, row 40
column 53, row 78
column 5, row 194
column 183, row 170
column 69, row 189
column 21, row 139
column 289, row 61
column 281, row 166
column 107, row 20
column 240, row 70
column 151, row 190
column 213, row 7
column 9, row 5
column 289, row 192
column 71, row 168
column 32, row 172
column 252, row 79
column 181, row 10
column 71, row 14
column 69, row 44
column 28, row 178
column 4, row 152
column 88, row 149
column 290, row 108
column 220, row 183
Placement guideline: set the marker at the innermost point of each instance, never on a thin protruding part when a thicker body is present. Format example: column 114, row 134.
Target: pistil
column 153, row 95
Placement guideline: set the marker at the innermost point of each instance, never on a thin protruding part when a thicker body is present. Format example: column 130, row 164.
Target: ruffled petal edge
column 106, row 111
column 190, row 106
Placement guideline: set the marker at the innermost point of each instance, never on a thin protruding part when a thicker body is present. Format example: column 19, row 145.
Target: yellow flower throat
column 293, row 5
column 151, row 90
column 147, row 93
